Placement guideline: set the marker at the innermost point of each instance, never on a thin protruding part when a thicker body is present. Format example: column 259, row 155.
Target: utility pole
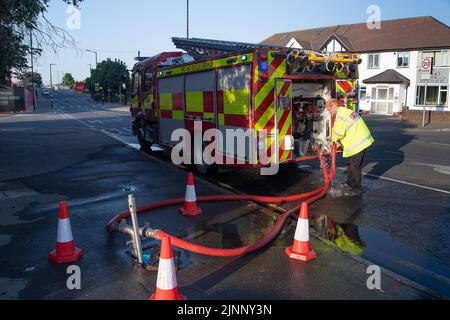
column 187, row 19
column 32, row 70
column 51, row 85
column 51, row 79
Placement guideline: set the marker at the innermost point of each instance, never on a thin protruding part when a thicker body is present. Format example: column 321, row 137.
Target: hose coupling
column 150, row 233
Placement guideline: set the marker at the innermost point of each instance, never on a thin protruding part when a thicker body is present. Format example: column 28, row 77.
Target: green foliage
column 109, row 74
column 19, row 21
column 27, row 79
column 68, row 80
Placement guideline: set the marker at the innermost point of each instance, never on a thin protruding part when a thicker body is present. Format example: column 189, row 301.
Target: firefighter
column 352, row 133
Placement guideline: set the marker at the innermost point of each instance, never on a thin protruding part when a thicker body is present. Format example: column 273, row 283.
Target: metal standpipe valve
column 135, row 224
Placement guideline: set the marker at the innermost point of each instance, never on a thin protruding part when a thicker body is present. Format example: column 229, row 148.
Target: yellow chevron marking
column 265, row 118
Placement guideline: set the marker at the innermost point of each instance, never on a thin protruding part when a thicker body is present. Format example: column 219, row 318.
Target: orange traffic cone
column 65, row 251
column 301, row 250
column 190, row 207
column 166, row 285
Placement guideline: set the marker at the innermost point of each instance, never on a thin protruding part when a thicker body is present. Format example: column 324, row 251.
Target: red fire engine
column 275, row 92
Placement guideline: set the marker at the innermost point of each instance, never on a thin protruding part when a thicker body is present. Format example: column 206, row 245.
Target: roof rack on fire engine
column 201, row 48
column 299, row 59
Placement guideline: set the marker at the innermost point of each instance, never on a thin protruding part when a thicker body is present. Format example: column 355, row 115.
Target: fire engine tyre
column 203, row 168
column 146, row 146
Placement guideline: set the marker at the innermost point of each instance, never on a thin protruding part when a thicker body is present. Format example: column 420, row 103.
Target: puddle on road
column 381, row 249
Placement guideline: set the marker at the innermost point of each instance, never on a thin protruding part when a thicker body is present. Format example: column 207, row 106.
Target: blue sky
column 119, row 28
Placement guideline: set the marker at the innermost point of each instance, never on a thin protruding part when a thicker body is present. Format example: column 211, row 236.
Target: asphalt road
column 76, row 151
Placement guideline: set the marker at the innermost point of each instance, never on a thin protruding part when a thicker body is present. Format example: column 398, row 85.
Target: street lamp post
column 94, row 52
column 51, row 85
column 51, row 79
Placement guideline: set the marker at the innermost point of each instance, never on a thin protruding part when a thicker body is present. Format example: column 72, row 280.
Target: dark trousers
column 354, row 170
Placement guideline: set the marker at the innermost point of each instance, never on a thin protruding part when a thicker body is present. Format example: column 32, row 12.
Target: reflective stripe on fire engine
column 200, row 104
column 171, row 106
column 194, row 102
column 148, row 101
column 264, row 103
column 135, row 102
column 264, row 98
column 345, row 86
column 284, row 120
column 208, row 65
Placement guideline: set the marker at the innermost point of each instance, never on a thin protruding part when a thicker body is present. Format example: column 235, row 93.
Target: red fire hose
column 309, row 197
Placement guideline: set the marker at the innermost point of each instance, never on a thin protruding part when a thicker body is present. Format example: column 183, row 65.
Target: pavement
column 83, row 153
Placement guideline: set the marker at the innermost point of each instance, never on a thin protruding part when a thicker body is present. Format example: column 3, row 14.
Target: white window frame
column 363, row 97
column 441, row 88
column 372, row 67
column 408, row 54
column 445, row 62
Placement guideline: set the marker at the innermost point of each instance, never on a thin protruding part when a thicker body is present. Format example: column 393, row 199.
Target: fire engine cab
column 275, row 94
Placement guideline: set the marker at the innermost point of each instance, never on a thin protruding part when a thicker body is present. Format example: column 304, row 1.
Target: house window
column 443, row 97
column 440, row 58
column 374, row 61
column 403, row 59
column 420, row 96
column 432, row 96
column 363, row 93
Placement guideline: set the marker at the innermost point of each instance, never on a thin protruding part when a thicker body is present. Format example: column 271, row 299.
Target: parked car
column 45, row 92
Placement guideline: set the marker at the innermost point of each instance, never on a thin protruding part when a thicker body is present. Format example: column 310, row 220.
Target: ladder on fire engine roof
column 201, row 48
column 300, row 59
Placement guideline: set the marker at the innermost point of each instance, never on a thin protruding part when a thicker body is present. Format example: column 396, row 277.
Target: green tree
column 109, row 74
column 68, row 80
column 20, row 21
column 27, row 79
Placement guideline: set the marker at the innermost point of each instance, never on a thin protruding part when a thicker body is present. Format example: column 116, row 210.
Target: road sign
column 426, row 67
column 97, row 87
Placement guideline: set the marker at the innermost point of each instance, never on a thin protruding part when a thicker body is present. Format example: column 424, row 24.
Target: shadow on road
column 390, row 136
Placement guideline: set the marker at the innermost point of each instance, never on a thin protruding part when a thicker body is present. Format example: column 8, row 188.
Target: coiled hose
column 309, row 197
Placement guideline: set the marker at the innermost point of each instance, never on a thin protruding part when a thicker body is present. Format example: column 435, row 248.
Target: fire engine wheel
column 145, row 145
column 200, row 164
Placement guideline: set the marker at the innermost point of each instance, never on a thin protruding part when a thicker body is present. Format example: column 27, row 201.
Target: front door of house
column 382, row 101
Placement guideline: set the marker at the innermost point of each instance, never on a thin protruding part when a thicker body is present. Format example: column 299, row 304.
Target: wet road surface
column 73, row 159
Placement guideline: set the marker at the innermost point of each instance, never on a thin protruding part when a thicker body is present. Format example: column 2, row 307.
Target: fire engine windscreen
column 312, row 122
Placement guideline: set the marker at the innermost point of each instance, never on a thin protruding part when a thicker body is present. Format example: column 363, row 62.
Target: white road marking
column 406, row 183
column 436, row 167
column 433, row 143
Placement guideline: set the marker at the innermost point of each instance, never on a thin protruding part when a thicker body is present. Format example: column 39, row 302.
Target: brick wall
column 416, row 116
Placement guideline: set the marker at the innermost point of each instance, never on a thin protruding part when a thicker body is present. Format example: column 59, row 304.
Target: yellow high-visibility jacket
column 351, row 130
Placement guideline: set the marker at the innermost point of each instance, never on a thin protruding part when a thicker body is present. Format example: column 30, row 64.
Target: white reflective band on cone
column 64, row 231
column 302, row 232
column 166, row 275
column 190, row 194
